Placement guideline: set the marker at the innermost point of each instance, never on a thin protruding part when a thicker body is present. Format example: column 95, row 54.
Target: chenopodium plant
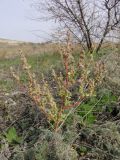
column 87, row 74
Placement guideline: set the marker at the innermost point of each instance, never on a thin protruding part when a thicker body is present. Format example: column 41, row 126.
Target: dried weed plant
column 87, row 74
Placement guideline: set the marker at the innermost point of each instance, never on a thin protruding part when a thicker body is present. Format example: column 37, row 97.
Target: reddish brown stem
column 73, row 105
column 66, row 70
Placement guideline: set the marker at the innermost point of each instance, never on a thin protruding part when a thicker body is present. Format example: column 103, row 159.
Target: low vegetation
column 55, row 106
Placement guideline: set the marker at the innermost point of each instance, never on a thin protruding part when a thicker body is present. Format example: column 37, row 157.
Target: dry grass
column 12, row 50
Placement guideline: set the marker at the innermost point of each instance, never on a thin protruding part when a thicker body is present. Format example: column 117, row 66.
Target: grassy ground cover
column 92, row 132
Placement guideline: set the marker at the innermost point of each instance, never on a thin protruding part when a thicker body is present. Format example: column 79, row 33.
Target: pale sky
column 16, row 22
